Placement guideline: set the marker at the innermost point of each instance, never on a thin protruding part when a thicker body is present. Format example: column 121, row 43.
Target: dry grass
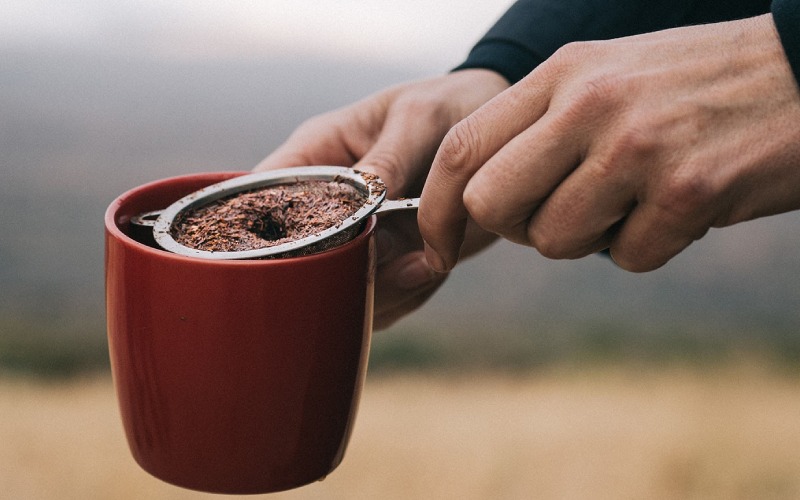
column 730, row 433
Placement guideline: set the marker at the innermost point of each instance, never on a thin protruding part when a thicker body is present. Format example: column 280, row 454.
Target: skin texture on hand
column 639, row 144
column 395, row 134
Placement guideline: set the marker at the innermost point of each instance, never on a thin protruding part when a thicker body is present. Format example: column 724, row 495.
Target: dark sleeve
column 786, row 14
column 532, row 30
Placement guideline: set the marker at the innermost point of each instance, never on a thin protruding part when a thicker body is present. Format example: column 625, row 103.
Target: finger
column 504, row 194
column 466, row 147
column 397, row 234
column 581, row 215
column 403, row 285
column 652, row 235
column 404, row 279
column 403, row 149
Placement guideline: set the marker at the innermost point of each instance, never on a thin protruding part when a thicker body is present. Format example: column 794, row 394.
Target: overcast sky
column 437, row 32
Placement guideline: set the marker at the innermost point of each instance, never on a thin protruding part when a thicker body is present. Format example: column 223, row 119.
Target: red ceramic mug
column 234, row 376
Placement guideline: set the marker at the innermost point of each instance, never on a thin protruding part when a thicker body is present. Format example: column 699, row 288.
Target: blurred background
column 98, row 97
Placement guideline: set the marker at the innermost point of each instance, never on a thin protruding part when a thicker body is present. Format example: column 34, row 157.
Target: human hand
column 639, row 145
column 394, row 134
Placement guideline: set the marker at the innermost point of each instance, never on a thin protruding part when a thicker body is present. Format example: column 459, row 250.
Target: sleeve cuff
column 509, row 59
column 786, row 15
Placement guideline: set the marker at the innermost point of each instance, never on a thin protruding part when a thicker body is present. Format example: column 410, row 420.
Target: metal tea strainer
column 369, row 185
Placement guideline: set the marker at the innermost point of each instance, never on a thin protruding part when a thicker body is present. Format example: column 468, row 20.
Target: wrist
column 485, row 77
column 510, row 60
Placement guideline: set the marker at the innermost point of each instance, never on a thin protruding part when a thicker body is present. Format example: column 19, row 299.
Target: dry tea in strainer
column 279, row 213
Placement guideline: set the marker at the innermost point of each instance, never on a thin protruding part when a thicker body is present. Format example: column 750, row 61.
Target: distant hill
column 78, row 129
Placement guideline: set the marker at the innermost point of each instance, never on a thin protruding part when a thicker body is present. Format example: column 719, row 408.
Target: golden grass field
column 617, row 433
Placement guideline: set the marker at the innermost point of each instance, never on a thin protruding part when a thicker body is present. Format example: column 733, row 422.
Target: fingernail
column 415, row 274
column 435, row 260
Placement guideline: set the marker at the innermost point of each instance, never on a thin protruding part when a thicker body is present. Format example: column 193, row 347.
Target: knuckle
column 634, row 141
column 631, row 261
column 387, row 164
column 599, row 95
column 458, row 147
column 602, row 96
column 549, row 247
column 682, row 196
column 574, row 52
column 605, row 86
column 638, row 256
column 481, row 207
column 547, row 243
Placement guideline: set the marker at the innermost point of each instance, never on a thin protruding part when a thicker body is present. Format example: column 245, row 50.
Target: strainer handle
column 401, row 204
column 147, row 219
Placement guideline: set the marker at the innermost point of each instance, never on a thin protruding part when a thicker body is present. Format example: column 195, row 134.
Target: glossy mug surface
column 234, row 376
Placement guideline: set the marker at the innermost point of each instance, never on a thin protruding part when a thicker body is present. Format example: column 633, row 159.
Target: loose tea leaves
column 268, row 216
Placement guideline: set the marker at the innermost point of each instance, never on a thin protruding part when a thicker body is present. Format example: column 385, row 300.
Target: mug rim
column 112, row 228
